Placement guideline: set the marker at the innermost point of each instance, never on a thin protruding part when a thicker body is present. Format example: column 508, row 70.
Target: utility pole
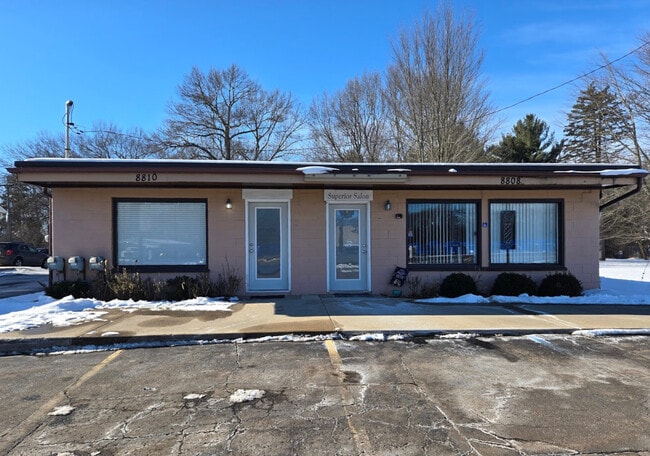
column 68, row 111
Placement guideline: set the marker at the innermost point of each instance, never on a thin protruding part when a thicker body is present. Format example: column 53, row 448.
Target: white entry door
column 348, row 247
column 268, row 247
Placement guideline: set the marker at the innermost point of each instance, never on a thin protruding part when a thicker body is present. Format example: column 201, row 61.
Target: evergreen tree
column 530, row 142
column 27, row 206
column 594, row 127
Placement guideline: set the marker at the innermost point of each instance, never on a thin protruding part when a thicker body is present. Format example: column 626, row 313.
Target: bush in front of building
column 109, row 285
column 228, row 282
column 418, row 289
column 77, row 289
column 560, row 284
column 126, row 285
column 513, row 284
column 457, row 284
column 184, row 287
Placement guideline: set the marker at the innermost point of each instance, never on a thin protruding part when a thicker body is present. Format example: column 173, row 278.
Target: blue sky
column 121, row 61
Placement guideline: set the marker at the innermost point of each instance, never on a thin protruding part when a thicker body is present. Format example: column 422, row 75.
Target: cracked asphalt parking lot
column 533, row 395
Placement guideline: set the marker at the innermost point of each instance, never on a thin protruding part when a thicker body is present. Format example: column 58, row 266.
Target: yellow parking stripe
column 361, row 441
column 333, row 352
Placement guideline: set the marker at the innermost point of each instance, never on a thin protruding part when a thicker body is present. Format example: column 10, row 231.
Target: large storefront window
column 525, row 232
column 442, row 233
column 160, row 234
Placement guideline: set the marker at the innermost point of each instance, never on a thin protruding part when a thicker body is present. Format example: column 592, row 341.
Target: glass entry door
column 268, row 256
column 348, row 247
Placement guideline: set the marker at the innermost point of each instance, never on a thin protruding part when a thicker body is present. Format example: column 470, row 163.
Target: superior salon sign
column 348, row 196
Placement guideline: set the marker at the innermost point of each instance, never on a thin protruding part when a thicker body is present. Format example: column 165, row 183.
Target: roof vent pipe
column 68, row 111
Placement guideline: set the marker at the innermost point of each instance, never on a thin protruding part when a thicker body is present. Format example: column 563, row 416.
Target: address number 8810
column 146, row 177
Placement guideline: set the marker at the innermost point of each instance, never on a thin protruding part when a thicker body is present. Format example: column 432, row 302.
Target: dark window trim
column 449, row 266
column 560, row 265
column 161, row 268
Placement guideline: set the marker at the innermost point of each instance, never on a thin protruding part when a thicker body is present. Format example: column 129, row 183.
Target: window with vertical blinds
column 155, row 233
column 525, row 232
column 442, row 233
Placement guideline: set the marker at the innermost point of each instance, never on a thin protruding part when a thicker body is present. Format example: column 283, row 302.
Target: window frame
column 197, row 268
column 561, row 251
column 446, row 266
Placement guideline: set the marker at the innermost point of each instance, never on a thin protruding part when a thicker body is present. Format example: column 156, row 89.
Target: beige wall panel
column 308, row 242
column 82, row 225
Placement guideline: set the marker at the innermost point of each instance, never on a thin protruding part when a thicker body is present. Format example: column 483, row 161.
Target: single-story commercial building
column 305, row 228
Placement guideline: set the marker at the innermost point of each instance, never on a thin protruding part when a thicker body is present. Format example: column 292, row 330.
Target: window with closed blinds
column 442, row 233
column 525, row 232
column 161, row 233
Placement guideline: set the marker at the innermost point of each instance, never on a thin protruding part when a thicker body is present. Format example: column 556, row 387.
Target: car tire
column 18, row 262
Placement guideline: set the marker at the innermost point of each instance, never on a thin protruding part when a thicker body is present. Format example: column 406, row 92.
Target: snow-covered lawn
column 622, row 282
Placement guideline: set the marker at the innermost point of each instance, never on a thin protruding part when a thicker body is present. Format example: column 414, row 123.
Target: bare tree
column 627, row 225
column 351, row 125
column 631, row 85
column 434, row 87
column 105, row 140
column 27, row 205
column 226, row 115
column 43, row 145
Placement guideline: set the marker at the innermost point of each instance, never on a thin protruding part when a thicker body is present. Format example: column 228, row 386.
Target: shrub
column 458, row 284
column 126, row 285
column 110, row 285
column 560, row 284
column 77, row 288
column 419, row 289
column 228, row 282
column 181, row 288
column 513, row 284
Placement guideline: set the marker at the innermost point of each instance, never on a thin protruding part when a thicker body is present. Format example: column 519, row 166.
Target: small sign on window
column 508, row 230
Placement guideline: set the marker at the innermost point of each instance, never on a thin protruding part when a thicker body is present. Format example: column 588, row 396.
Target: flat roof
column 84, row 172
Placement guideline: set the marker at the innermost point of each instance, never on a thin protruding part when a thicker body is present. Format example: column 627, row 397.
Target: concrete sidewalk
column 327, row 314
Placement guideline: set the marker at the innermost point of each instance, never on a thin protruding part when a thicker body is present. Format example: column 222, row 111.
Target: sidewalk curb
column 45, row 346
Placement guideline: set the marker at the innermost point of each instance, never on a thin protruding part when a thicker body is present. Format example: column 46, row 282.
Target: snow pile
column 242, row 395
column 311, row 170
column 63, row 410
column 193, row 396
column 37, row 309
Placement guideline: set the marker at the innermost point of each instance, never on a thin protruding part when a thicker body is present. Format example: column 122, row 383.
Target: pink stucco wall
column 82, row 225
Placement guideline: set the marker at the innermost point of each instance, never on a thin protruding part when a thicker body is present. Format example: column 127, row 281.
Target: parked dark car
column 21, row 254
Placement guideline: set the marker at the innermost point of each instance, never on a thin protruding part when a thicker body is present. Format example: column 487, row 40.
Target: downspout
column 637, row 189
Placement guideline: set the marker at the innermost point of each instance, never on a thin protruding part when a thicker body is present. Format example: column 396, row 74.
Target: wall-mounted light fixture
column 228, row 204
column 387, row 205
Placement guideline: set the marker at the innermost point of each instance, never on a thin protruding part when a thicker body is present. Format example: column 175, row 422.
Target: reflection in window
column 269, row 244
column 441, row 233
column 524, row 233
column 347, row 244
column 161, row 233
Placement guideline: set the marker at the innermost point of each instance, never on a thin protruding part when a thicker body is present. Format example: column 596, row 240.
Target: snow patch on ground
column 193, row 396
column 242, row 395
column 62, row 410
column 611, row 332
column 622, row 282
column 37, row 309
